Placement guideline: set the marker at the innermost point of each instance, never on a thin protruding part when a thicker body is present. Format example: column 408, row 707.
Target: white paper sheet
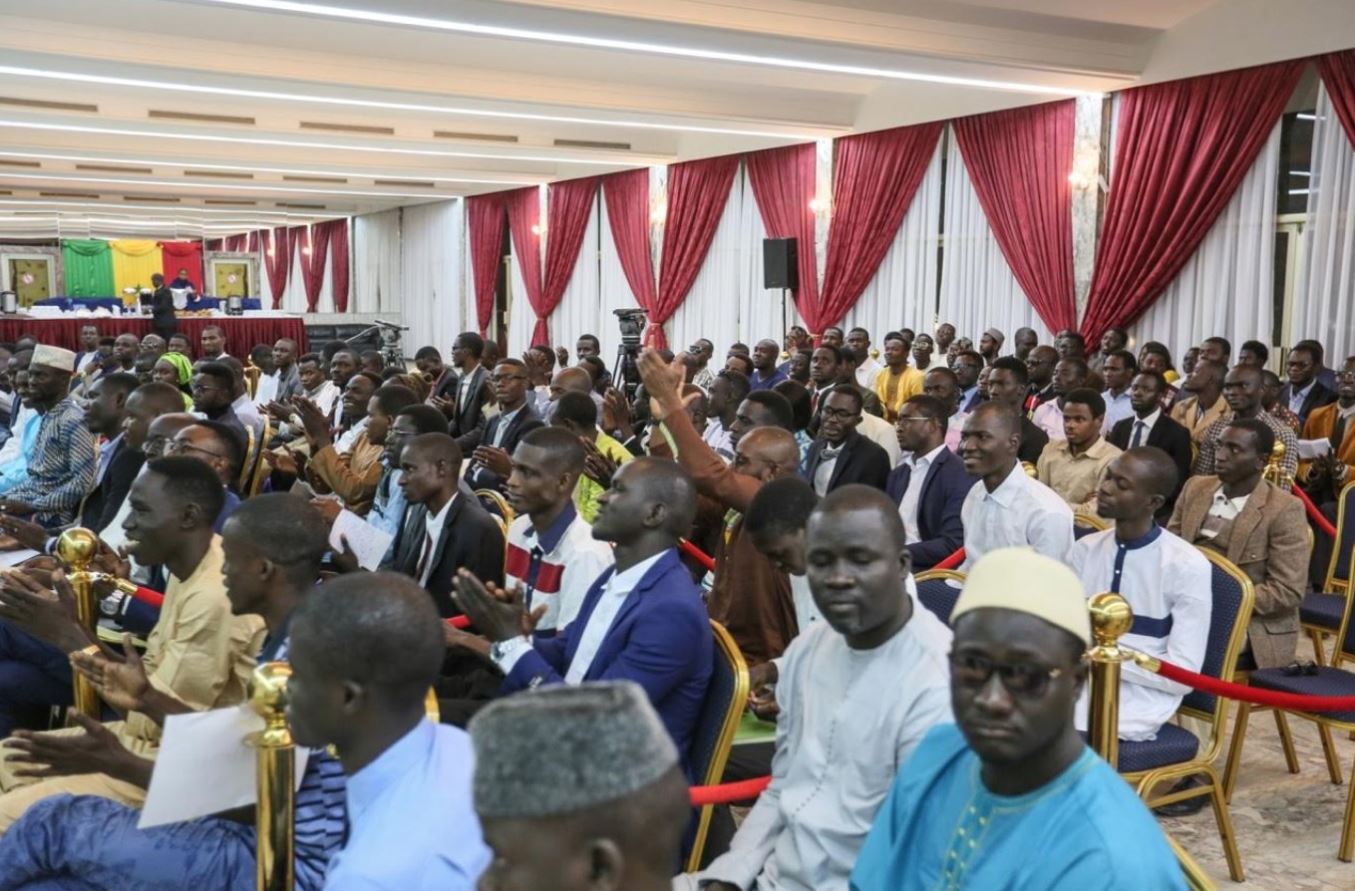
column 14, row 558
column 368, row 542
column 1313, row 448
column 205, row 766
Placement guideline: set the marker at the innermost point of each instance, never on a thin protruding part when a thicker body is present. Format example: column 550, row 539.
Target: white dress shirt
column 1021, row 512
column 867, row 372
column 344, row 443
column 839, row 746
column 432, row 531
column 1296, row 397
column 1144, row 431
column 882, row 433
column 1049, row 418
column 916, row 477
column 1167, row 583
column 618, row 588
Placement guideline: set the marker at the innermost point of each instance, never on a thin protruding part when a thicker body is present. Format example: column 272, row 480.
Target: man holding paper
column 273, row 548
column 353, row 475
column 197, row 654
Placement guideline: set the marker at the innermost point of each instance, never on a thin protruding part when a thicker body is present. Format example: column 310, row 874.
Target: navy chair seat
column 1173, row 745
column 1327, row 682
column 939, row 596
column 1322, row 610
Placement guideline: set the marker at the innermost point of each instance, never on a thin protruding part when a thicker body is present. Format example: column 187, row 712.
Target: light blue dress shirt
column 412, row 821
column 388, row 507
column 941, row 828
column 12, row 473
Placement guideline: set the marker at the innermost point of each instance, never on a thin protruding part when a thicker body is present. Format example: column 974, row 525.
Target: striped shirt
column 61, row 469
column 556, row 567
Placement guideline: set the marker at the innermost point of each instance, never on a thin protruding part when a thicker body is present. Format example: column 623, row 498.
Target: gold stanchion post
column 76, row 549
column 275, row 814
column 1111, row 618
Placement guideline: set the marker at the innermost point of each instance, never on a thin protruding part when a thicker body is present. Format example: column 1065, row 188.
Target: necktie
column 423, row 558
column 1138, row 435
column 1338, row 432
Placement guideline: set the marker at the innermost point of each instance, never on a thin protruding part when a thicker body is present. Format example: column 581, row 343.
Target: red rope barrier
column 701, row 556
column 1314, row 514
column 1255, row 695
column 149, row 596
column 952, row 561
column 461, row 622
column 728, row 793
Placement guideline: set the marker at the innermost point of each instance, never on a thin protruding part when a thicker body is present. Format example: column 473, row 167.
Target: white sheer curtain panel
column 521, row 316
column 711, row 307
column 376, row 262
column 579, row 307
column 903, row 292
column 1324, row 293
column 1227, row 286
column 978, row 289
column 432, row 303
column 759, row 309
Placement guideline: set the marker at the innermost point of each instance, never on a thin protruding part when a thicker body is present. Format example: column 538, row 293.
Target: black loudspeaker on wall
column 780, row 264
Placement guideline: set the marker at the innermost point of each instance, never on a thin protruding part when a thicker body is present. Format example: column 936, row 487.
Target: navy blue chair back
column 1232, row 608
column 726, row 698
column 938, row 589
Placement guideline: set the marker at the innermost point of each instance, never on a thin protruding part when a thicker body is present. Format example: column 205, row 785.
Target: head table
column 242, row 332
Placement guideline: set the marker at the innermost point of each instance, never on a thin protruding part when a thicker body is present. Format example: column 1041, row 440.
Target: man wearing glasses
column 491, row 462
column 930, row 484
column 842, row 456
column 1010, row 796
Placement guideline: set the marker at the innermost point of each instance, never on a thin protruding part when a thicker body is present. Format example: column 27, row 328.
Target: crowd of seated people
column 559, row 541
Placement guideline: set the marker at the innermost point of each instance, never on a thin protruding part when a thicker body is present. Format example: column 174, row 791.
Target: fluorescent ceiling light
column 176, row 184
column 449, row 110
column 109, row 207
column 197, row 165
column 299, row 143
column 635, row 46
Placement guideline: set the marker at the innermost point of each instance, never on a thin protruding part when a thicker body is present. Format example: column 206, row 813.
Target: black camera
column 632, row 324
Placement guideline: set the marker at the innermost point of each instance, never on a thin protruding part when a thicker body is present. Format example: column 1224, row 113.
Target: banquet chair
column 259, row 466
column 246, row 466
column 1321, row 611
column 726, row 698
column 1086, row 524
column 1320, row 680
column 1175, row 754
column 936, row 592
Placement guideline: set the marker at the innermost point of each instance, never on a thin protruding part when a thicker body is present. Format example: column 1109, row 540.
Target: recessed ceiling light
column 177, row 184
column 636, row 46
column 189, row 208
column 198, row 165
column 307, row 144
column 428, row 108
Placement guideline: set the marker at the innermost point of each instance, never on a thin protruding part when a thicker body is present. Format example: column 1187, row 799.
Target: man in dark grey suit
column 491, row 462
column 1151, row 426
column 929, row 504
column 841, row 455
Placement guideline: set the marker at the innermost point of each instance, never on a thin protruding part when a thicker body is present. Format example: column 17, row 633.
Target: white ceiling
column 440, row 99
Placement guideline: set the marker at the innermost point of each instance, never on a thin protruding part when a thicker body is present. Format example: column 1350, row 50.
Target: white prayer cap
column 563, row 749
column 53, row 357
column 1025, row 581
column 996, row 335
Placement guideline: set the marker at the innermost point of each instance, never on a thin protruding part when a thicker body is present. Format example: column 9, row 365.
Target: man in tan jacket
column 1258, row 527
column 1205, row 404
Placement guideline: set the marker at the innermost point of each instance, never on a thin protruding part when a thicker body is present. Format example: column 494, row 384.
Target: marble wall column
column 1090, row 175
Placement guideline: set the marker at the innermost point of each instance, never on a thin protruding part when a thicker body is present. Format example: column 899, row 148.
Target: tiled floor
column 1288, row 826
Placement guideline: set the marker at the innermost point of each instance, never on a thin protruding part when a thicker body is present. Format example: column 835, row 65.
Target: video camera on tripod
column 632, row 325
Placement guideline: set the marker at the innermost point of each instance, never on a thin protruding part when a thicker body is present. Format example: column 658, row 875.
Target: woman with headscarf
column 175, row 369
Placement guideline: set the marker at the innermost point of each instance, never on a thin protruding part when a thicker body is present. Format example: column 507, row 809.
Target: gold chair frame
column 1091, row 522
column 255, row 470
column 729, row 650
column 1203, row 765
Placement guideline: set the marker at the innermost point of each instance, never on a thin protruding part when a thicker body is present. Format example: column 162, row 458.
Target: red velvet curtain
column 524, row 216
column 876, row 177
column 1182, row 149
column 313, row 263
column 279, row 262
column 568, row 207
column 784, row 182
column 176, row 255
column 1019, row 161
column 485, row 215
column 697, row 194
column 627, row 197
column 1338, row 75
column 336, row 233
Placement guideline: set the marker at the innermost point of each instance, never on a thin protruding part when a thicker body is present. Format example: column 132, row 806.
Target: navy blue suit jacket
column 660, row 639
column 938, row 507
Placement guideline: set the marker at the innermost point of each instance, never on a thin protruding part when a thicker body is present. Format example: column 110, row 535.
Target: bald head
column 660, row 481
column 771, row 446
column 852, row 499
column 572, row 379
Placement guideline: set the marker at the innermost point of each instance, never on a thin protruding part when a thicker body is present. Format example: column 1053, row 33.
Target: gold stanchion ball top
column 1277, row 451
column 1030, row 469
column 76, row 548
column 268, row 688
column 1111, row 617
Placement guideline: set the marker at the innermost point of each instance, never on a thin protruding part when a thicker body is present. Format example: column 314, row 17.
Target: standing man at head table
column 162, row 308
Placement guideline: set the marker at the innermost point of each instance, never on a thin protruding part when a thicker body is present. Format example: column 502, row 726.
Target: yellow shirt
column 586, row 492
column 198, row 652
column 896, row 389
column 1075, row 477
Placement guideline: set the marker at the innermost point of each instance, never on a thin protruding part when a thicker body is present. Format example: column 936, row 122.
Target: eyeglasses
column 1023, row 679
column 840, row 414
column 174, row 447
column 903, row 418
